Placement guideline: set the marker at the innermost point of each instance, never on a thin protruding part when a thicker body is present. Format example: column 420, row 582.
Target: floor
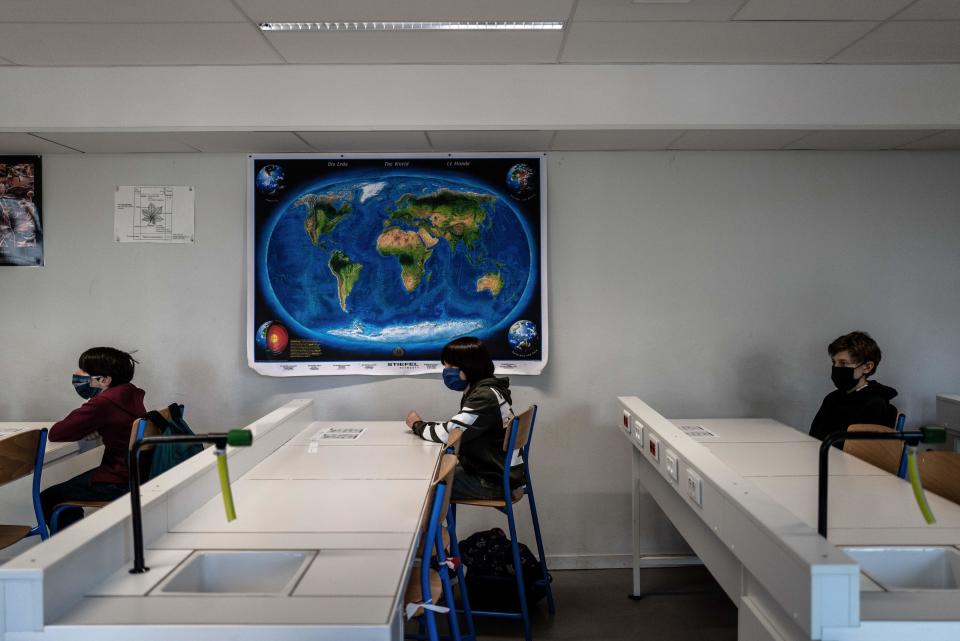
column 682, row 604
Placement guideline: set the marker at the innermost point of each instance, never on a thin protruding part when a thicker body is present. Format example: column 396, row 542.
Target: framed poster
column 369, row 264
column 21, row 222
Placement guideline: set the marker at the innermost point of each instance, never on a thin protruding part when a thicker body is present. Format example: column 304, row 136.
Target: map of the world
column 370, row 265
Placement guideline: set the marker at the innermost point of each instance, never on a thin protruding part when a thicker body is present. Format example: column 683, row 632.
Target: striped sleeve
column 439, row 432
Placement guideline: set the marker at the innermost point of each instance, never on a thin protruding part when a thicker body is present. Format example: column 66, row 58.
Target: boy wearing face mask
column 113, row 403
column 484, row 411
column 855, row 357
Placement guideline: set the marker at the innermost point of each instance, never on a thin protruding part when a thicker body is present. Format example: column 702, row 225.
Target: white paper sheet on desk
column 338, row 433
column 697, row 431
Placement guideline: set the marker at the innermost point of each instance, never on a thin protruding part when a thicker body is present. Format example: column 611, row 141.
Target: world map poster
column 366, row 264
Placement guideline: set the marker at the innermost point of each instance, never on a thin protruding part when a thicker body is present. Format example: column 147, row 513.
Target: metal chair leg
column 461, row 581
column 544, row 572
column 518, row 571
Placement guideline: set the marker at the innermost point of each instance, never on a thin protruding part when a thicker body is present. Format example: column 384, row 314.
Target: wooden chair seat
column 83, row 504
column 497, row 503
column 10, row 534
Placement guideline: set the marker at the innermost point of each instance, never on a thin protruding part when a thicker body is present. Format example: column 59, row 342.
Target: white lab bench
column 352, row 505
column 743, row 493
column 61, row 462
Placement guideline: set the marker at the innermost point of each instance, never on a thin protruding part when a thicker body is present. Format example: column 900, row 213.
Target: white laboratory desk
column 61, row 462
column 355, row 504
column 744, row 496
column 54, row 451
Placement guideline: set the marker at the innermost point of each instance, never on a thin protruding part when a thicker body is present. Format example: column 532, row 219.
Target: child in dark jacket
column 113, row 403
column 856, row 400
column 484, row 413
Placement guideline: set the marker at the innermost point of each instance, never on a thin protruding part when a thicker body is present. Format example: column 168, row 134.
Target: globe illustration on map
column 270, row 180
column 522, row 337
column 272, row 337
column 520, row 181
column 383, row 261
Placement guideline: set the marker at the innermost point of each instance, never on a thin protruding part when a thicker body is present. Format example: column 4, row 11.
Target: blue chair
column 141, row 427
column 20, row 455
column 901, row 421
column 516, row 440
column 431, row 579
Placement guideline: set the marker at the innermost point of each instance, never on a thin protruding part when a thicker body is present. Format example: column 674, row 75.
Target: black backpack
column 166, row 456
column 491, row 581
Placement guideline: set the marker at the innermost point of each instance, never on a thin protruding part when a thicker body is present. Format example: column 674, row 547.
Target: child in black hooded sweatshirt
column 855, row 358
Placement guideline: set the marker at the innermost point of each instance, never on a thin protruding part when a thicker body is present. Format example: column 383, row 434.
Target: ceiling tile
column 119, row 143
column 134, row 44
column 737, row 139
column 932, row 10
column 490, row 140
column 508, row 47
column 626, row 10
column 820, row 9
column 252, row 142
column 18, row 143
column 120, row 11
column 613, row 140
column 901, row 42
column 366, row 141
column 709, row 42
column 343, row 10
column 941, row 140
column 859, row 140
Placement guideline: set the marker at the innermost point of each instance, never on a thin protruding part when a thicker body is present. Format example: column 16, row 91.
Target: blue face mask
column 83, row 387
column 451, row 378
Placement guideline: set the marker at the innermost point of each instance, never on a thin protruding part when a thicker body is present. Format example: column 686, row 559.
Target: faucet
column 912, row 439
column 220, row 440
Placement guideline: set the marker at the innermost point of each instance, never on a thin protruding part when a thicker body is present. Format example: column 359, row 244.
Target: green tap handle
column 240, row 438
column 934, row 434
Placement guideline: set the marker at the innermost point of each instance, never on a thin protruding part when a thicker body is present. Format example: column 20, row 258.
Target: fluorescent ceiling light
column 380, row 25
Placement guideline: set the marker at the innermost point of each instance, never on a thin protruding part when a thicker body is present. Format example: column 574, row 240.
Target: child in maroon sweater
column 113, row 404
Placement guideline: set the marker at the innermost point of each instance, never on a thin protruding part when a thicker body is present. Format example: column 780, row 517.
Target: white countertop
column 54, row 451
column 866, row 505
column 357, row 503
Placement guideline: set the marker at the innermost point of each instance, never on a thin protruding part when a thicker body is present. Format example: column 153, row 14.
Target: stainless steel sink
column 897, row 568
column 259, row 572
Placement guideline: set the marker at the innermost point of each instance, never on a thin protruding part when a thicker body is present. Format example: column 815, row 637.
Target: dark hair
column 860, row 345
column 469, row 354
column 108, row 361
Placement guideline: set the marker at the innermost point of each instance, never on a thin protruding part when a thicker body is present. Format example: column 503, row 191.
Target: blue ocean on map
column 379, row 261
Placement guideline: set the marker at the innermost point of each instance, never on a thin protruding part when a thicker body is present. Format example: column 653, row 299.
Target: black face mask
column 843, row 378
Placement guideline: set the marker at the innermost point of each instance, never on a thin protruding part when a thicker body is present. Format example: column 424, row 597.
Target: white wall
column 708, row 284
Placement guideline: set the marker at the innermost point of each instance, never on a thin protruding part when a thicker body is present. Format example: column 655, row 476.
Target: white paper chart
column 154, row 214
column 696, row 431
column 337, row 433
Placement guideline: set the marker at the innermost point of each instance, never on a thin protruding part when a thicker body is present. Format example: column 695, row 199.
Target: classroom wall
column 708, row 284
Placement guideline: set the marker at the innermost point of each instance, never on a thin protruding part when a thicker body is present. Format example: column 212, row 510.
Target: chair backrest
column 18, row 455
column 143, row 427
column 453, row 440
column 523, row 424
column 940, row 473
column 883, row 454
